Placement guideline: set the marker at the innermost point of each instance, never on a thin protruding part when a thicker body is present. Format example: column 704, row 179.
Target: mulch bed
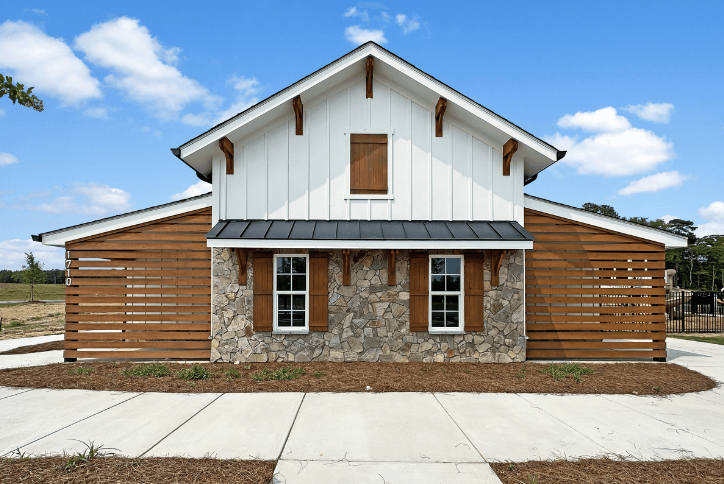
column 161, row 470
column 22, row 350
column 607, row 471
column 609, row 378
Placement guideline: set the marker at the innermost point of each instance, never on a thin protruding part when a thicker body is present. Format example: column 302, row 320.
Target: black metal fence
column 695, row 312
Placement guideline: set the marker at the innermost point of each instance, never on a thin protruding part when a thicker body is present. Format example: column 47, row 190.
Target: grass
column 82, row 371
column 91, row 452
column 231, row 374
column 285, row 373
column 563, row 370
column 716, row 339
column 21, row 292
column 195, row 372
column 150, row 369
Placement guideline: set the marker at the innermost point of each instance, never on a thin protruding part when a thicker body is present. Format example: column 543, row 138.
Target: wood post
column 496, row 258
column 391, row 272
column 439, row 113
column 241, row 261
column 298, row 114
column 346, row 269
column 227, row 147
column 368, row 78
column 509, row 149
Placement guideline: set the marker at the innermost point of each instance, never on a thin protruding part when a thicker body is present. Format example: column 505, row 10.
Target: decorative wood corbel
column 439, row 113
column 509, row 149
column 227, row 147
column 391, row 272
column 241, row 260
column 346, row 268
column 496, row 258
column 368, row 78
column 298, row 114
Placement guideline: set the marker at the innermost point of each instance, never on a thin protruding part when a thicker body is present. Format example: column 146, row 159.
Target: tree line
column 699, row 267
column 52, row 276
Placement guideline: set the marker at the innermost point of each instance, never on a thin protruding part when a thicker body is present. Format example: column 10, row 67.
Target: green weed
column 91, row 452
column 521, row 373
column 148, row 369
column 319, row 374
column 82, row 371
column 562, row 370
column 16, row 324
column 195, row 372
column 285, row 373
column 232, row 373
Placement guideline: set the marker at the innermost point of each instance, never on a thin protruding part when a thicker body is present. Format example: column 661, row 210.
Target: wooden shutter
column 474, row 275
column 318, row 291
column 368, row 163
column 419, row 291
column 263, row 291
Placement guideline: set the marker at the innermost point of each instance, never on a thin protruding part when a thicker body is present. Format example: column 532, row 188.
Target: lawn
column 37, row 319
column 21, row 292
column 716, row 339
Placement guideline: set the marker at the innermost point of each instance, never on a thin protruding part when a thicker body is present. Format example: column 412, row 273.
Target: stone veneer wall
column 368, row 320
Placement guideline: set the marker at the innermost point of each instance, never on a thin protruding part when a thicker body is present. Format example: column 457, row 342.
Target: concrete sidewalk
column 368, row 437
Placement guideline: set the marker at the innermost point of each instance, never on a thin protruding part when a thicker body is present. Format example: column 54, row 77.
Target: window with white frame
column 446, row 293
column 291, row 294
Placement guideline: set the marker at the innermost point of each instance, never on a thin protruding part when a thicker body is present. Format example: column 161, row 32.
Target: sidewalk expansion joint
column 459, row 428
column 304, row 395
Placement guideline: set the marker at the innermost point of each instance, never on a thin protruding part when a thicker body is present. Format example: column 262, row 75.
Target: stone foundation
column 368, row 320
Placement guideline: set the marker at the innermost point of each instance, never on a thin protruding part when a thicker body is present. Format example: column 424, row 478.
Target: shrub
column 195, row 372
column 285, row 373
column 232, row 373
column 149, row 369
column 562, row 370
column 319, row 374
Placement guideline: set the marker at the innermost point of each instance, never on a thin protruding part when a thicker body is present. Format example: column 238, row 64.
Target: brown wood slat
column 140, row 335
column 136, row 300
column 592, row 273
column 596, row 300
column 135, row 273
column 597, row 309
column 73, row 318
column 603, row 345
column 572, row 281
column 184, row 354
column 140, row 281
column 139, row 309
column 144, row 264
column 161, row 237
column 176, row 345
column 106, row 290
column 204, row 255
column 593, row 354
column 132, row 245
column 564, row 246
column 590, row 264
column 556, row 318
column 596, row 326
column 651, row 291
column 138, row 327
column 549, row 336
column 579, row 237
column 580, row 254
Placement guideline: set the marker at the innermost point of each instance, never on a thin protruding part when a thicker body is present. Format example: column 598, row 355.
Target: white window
column 446, row 293
column 291, row 293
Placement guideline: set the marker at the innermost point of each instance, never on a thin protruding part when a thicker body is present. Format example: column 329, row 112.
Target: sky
column 633, row 91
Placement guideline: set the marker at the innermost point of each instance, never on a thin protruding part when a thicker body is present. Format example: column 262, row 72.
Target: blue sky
column 631, row 89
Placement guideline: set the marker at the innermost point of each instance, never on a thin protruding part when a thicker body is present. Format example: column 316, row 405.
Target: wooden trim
column 298, row 114
column 419, row 291
column 391, row 267
column 440, row 108
column 496, row 259
column 370, row 68
column 318, row 291
column 509, row 149
column 346, row 269
column 474, row 293
column 241, row 263
column 227, row 147
column 263, row 291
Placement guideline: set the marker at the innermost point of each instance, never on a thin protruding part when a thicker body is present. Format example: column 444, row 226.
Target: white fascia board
column 60, row 237
column 370, row 244
column 671, row 241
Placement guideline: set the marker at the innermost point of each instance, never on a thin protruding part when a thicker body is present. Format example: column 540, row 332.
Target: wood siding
column 592, row 293
column 141, row 292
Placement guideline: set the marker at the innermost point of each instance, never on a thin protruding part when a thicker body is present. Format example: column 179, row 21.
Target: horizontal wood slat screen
column 141, row 292
column 592, row 293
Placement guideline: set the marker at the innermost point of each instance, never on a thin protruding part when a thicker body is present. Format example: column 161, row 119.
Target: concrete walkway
column 376, row 437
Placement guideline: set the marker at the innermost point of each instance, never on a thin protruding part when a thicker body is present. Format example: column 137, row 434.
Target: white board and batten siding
column 281, row 176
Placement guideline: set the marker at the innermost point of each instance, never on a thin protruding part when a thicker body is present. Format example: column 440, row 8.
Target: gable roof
column 198, row 151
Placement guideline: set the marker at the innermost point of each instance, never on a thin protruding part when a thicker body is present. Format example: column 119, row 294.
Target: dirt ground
column 607, row 471
column 119, row 470
column 608, row 378
column 31, row 319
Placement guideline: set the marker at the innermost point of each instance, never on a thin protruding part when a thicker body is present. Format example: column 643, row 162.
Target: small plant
column 232, row 373
column 656, row 389
column 149, row 369
column 195, row 372
column 319, row 374
column 532, row 479
column 562, row 370
column 521, row 373
column 90, row 453
column 466, row 371
column 82, row 371
column 247, row 367
column 15, row 324
column 285, row 373
column 511, row 466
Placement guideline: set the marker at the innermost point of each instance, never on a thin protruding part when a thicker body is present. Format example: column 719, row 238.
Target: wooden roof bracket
column 227, row 147
column 439, row 113
column 509, row 149
column 391, row 271
column 298, row 114
column 241, row 261
column 368, row 77
column 496, row 258
column 346, row 268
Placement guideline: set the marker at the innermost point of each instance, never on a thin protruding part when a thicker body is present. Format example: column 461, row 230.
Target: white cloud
column 668, row 218
column 91, row 199
column 616, row 148
column 46, row 63
column 2, row 112
column 246, row 96
column 407, row 24
column 654, row 183
column 714, row 214
column 194, row 190
column 35, row 10
column 12, row 254
column 7, row 159
column 142, row 67
column 358, row 35
column 353, row 12
column 100, row 113
column 658, row 113
column 603, row 120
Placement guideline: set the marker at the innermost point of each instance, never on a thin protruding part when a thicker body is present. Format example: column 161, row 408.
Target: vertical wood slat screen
column 474, row 276
column 141, row 292
column 263, row 291
column 318, row 291
column 592, row 293
column 419, row 291
column 368, row 163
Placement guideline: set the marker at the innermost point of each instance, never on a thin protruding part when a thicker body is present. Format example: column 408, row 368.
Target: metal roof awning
column 363, row 234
